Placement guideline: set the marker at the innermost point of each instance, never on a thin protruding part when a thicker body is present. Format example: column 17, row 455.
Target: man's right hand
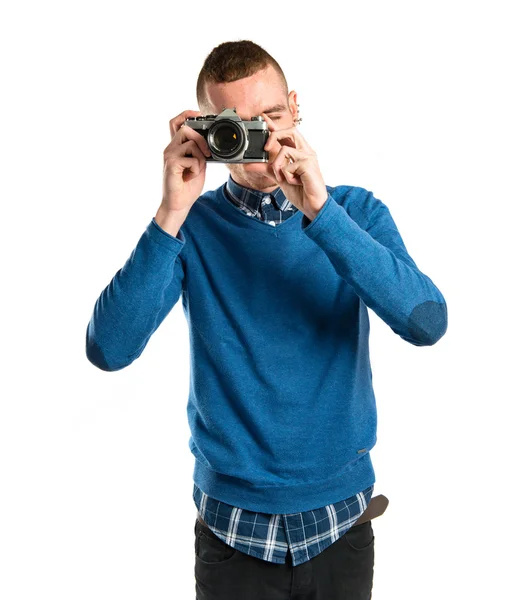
column 184, row 165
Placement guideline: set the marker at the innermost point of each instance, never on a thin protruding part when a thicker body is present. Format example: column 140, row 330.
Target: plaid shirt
column 270, row 536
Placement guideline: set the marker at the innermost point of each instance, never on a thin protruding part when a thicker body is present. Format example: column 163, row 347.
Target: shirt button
column 272, row 223
column 266, row 200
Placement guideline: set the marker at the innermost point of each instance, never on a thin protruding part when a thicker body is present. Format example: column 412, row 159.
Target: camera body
column 230, row 139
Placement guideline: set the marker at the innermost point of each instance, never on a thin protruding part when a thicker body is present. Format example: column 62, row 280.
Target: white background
column 414, row 101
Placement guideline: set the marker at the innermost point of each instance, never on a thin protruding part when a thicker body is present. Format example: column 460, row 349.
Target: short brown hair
column 231, row 61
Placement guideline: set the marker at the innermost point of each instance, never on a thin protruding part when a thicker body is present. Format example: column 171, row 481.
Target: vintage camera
column 230, row 139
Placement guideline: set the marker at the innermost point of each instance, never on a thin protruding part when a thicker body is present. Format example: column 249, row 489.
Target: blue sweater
column 271, row 537
column 307, row 371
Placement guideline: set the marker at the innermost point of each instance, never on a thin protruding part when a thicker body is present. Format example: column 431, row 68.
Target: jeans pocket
column 210, row 549
column 360, row 537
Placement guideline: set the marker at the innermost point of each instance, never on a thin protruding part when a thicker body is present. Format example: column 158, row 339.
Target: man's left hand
column 296, row 169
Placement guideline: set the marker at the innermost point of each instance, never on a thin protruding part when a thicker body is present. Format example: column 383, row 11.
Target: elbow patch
column 96, row 357
column 428, row 322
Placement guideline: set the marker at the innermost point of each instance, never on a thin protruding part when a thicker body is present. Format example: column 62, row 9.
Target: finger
column 292, row 172
column 187, row 133
column 189, row 148
column 286, row 152
column 290, row 135
column 186, row 162
column 175, row 124
column 270, row 141
column 194, row 171
column 272, row 128
column 287, row 137
column 271, row 125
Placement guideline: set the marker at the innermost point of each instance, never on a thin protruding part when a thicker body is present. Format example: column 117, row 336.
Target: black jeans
column 343, row 571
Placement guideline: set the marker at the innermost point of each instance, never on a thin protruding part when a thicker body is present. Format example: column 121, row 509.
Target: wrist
column 312, row 212
column 170, row 220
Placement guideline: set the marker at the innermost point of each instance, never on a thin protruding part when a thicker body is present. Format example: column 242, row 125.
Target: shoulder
column 358, row 202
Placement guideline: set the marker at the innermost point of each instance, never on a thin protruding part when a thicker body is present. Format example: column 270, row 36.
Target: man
column 276, row 271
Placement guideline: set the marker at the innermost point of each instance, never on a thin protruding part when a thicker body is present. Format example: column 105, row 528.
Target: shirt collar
column 252, row 199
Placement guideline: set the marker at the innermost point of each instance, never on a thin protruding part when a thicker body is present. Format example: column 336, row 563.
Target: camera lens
column 225, row 139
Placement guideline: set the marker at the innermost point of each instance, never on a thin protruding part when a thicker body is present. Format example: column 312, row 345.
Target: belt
column 375, row 508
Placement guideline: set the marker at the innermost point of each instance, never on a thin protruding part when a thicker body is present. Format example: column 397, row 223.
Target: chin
column 254, row 175
column 258, row 167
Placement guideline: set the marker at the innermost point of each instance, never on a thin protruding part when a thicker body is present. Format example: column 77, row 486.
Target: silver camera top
column 231, row 115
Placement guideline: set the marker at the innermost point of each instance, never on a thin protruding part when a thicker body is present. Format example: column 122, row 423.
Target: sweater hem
column 289, row 498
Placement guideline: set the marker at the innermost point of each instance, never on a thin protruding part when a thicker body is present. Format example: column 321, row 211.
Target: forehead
column 252, row 95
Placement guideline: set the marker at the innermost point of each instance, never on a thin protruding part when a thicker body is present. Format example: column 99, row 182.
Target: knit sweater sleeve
column 136, row 301
column 368, row 253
